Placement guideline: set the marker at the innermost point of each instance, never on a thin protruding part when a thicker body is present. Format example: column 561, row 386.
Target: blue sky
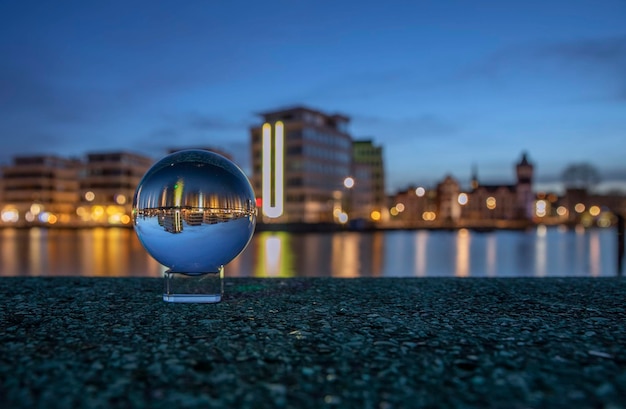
column 442, row 85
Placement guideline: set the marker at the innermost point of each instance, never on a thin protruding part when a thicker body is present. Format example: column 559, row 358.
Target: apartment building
column 369, row 187
column 300, row 159
column 107, row 185
column 39, row 190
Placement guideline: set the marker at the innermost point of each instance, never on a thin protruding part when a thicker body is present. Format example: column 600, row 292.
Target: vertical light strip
column 276, row 209
column 266, row 166
column 279, row 161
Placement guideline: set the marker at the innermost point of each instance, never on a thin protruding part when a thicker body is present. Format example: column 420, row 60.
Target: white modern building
column 300, row 159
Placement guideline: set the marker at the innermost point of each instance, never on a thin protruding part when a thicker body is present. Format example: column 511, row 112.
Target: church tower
column 524, row 192
column 474, row 182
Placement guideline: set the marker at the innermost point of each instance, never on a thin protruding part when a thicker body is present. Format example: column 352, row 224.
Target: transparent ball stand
column 194, row 288
column 194, row 211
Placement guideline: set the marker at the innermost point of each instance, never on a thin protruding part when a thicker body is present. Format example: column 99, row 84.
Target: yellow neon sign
column 273, row 208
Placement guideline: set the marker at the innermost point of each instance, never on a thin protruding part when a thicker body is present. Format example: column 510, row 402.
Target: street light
column 348, row 182
column 462, row 199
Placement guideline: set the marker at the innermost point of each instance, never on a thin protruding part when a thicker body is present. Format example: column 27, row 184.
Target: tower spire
column 474, row 181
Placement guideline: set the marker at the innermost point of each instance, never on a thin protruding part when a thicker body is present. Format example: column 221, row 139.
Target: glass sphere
column 194, row 211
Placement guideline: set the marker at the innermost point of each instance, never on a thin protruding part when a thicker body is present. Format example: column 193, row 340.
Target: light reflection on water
column 117, row 252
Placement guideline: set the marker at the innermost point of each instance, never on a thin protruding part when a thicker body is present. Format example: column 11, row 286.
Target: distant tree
column 580, row 176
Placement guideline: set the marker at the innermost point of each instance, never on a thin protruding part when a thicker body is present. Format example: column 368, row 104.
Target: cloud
column 597, row 63
column 24, row 93
column 408, row 128
column 613, row 174
column 33, row 142
column 356, row 86
column 207, row 122
column 607, row 52
column 194, row 129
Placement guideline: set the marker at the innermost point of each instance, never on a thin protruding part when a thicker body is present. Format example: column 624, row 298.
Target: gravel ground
column 314, row 343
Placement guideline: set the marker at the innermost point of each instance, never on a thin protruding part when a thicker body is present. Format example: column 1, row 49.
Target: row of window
column 111, row 172
column 38, row 187
column 301, row 198
column 321, row 168
column 57, row 163
column 31, row 174
column 314, row 135
column 121, row 185
column 119, row 159
column 370, row 161
column 318, row 152
column 314, row 181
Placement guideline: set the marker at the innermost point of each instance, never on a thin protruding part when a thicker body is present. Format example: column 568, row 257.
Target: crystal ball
column 194, row 211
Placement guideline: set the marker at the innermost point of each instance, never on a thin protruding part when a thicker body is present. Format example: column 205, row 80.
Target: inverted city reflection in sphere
column 194, row 211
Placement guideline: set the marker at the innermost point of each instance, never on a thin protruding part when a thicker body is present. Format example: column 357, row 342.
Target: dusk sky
column 441, row 85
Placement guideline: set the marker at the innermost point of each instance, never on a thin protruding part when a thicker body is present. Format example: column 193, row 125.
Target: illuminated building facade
column 524, row 196
column 369, row 174
column 108, row 184
column 503, row 202
column 448, row 206
column 39, row 190
column 300, row 158
column 414, row 206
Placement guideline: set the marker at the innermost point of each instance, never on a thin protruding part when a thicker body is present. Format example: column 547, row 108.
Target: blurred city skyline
column 442, row 86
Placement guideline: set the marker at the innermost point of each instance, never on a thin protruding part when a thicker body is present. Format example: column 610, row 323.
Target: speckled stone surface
column 315, row 342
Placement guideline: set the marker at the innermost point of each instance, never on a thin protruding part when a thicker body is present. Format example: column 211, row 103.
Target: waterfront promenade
column 315, row 342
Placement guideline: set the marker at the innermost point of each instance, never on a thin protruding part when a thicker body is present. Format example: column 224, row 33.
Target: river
column 541, row 252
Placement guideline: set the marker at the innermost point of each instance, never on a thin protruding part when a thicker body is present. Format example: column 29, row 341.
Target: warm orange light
column 97, row 212
column 429, row 216
column 491, row 202
column 561, row 211
column 125, row 219
column 52, row 219
column 579, row 207
column 375, row 215
column 120, row 199
column 36, row 208
column 90, row 196
column 393, row 211
column 400, row 207
column 594, row 211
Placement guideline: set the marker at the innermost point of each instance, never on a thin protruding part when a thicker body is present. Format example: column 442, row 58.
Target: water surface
column 540, row 252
